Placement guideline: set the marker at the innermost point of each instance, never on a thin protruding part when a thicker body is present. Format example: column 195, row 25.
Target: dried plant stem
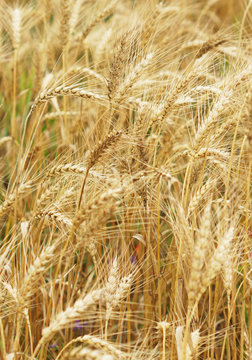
column 147, row 297
column 246, row 251
column 13, row 122
column 26, row 313
column 190, row 313
column 158, row 255
column 14, row 99
column 3, row 339
column 240, row 156
column 17, row 337
column 65, row 66
column 164, row 341
column 65, row 29
column 230, row 163
column 82, row 188
column 186, row 183
column 162, row 326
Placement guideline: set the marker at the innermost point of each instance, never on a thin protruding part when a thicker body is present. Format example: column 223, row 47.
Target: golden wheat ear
column 110, row 140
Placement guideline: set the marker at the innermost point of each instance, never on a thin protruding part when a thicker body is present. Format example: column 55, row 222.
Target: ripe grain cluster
column 125, row 179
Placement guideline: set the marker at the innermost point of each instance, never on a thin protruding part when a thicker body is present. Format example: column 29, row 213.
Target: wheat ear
column 96, row 205
column 22, row 190
column 216, row 261
column 86, row 353
column 106, row 12
column 197, row 197
column 55, row 216
column 132, row 77
column 209, row 45
column 5, row 140
column 198, row 257
column 65, row 91
column 16, row 27
column 64, row 23
column 64, row 318
column 210, row 122
column 117, row 66
column 95, row 342
column 33, row 273
column 95, row 155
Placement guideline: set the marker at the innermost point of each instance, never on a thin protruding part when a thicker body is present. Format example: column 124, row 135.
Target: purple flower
column 78, row 325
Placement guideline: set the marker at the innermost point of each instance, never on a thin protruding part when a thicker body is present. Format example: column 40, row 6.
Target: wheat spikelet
column 102, row 44
column 67, row 168
column 198, row 256
column 117, row 66
column 110, row 140
column 79, row 309
column 32, row 155
column 102, row 344
column 210, row 122
column 55, row 216
column 95, row 342
column 221, row 130
column 209, row 45
column 39, row 68
column 92, row 226
column 149, row 27
column 22, row 190
column 216, row 261
column 75, row 312
column 112, row 283
column 53, row 115
column 74, row 15
column 95, row 154
column 195, row 337
column 132, row 77
column 65, row 91
column 5, row 140
column 215, row 153
column 13, row 292
column 16, row 27
column 47, row 195
column 86, row 353
column 100, row 16
column 173, row 97
column 122, row 290
column 64, row 24
column 108, row 198
column 197, row 197
column 33, row 273
column 228, row 271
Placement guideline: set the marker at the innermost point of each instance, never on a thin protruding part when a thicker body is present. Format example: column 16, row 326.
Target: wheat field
column 125, row 179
